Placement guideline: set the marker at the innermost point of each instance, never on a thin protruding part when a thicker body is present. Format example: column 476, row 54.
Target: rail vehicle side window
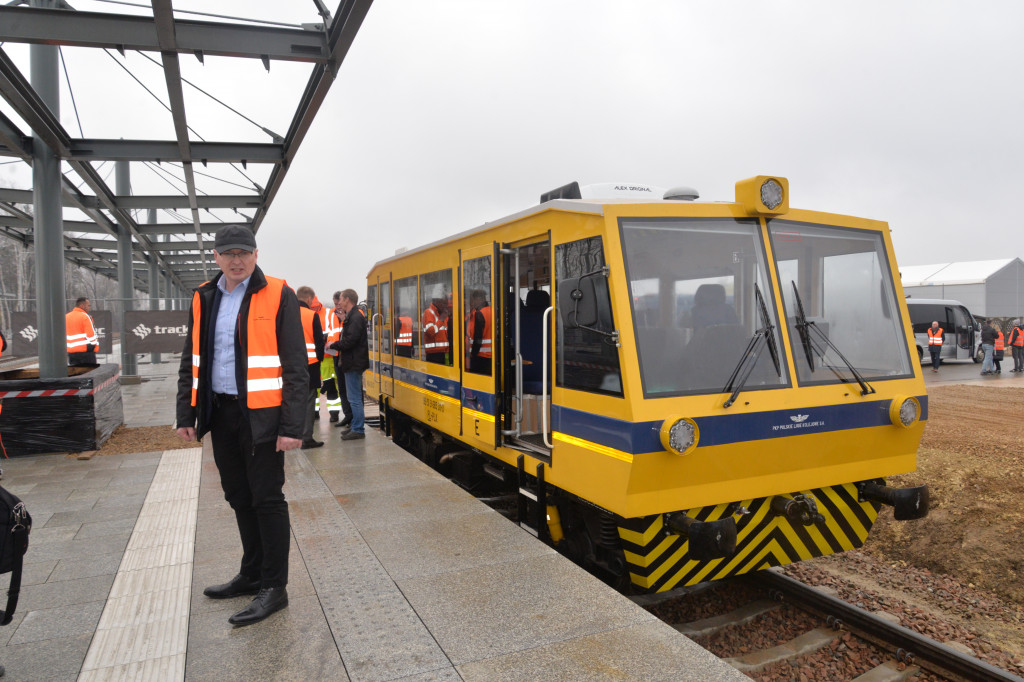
column 587, row 358
column 478, row 331
column 436, row 321
column 371, row 309
column 406, row 318
column 385, row 316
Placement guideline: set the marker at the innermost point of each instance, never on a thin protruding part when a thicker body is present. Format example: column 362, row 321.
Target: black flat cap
column 234, row 237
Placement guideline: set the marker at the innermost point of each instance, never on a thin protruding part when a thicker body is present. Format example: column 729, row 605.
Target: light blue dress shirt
column 224, row 330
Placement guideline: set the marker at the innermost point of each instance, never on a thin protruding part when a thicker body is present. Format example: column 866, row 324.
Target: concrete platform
column 395, row 574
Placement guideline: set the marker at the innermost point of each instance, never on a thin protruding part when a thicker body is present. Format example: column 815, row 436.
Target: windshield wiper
column 805, row 327
column 762, row 337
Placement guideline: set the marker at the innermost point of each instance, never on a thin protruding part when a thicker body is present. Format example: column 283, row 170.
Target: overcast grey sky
column 450, row 113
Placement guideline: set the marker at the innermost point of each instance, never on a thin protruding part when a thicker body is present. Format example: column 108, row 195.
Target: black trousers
column 252, row 477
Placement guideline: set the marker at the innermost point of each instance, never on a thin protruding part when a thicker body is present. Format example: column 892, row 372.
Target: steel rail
column 925, row 651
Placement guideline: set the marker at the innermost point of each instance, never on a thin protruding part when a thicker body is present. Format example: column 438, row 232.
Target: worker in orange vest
column 313, row 333
column 1000, row 349
column 82, row 339
column 478, row 333
column 403, row 346
column 435, row 332
column 1016, row 342
column 935, row 344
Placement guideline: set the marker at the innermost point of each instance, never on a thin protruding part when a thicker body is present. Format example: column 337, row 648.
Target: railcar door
column 384, row 358
column 525, row 347
column 480, row 309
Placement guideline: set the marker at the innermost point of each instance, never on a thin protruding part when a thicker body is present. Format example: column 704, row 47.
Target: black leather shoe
column 235, row 587
column 352, row 435
column 311, row 443
column 267, row 601
column 334, row 417
column 345, row 422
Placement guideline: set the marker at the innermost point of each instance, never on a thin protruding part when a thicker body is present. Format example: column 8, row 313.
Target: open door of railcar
column 525, row 345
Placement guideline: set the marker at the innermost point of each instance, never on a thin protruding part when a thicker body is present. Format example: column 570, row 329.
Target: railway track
column 823, row 633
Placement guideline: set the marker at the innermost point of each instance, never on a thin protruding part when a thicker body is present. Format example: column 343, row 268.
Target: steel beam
column 161, row 150
column 123, row 32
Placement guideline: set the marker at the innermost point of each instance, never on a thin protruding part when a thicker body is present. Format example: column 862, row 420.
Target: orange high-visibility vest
column 334, row 325
column 80, row 330
column 1000, row 345
column 317, row 307
column 936, row 339
column 405, row 331
column 1019, row 339
column 485, row 343
column 435, row 331
column 263, row 375
column 307, row 316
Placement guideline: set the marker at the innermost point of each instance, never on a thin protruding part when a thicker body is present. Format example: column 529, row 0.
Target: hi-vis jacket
column 80, row 330
column 935, row 338
column 270, row 360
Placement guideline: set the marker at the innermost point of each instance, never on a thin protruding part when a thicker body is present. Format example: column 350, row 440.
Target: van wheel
column 979, row 356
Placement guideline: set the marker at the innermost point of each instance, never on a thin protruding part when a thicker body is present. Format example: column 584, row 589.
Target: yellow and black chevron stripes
column 658, row 560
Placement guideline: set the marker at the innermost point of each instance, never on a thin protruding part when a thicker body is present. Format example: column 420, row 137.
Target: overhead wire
column 168, row 108
column 67, row 78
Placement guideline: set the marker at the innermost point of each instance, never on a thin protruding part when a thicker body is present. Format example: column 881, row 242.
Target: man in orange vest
column 935, row 344
column 244, row 379
column 435, row 332
column 403, row 344
column 478, row 330
column 1000, row 349
column 82, row 339
column 1017, row 346
column 314, row 335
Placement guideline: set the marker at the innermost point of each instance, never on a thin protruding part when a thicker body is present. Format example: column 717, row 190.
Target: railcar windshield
column 694, row 287
column 840, row 303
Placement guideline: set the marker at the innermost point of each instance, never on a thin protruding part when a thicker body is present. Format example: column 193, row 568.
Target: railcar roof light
column 763, row 195
column 771, row 193
column 679, row 435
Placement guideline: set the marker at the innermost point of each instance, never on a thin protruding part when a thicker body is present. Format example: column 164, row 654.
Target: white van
column 961, row 332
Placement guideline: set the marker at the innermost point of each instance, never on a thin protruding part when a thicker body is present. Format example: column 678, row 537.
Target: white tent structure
column 991, row 288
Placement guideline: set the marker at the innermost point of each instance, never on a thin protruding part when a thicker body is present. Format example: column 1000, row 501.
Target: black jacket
column 352, row 346
column 318, row 341
column 267, row 423
column 988, row 334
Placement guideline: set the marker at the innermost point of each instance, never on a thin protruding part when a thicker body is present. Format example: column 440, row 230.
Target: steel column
column 154, row 283
column 122, row 172
column 48, row 225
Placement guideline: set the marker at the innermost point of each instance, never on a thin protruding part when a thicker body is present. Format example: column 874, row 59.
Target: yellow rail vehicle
column 673, row 391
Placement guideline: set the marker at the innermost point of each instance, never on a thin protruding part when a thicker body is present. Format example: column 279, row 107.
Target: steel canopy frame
column 185, row 260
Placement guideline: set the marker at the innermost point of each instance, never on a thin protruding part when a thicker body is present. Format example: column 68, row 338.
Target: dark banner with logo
column 155, row 331
column 25, row 337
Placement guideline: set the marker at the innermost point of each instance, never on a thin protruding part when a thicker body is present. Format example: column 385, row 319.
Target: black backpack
column 15, row 524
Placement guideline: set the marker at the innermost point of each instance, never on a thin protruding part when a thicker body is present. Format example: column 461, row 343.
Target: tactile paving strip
column 143, row 632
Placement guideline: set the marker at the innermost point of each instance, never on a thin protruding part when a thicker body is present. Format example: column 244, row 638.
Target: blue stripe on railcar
column 643, row 437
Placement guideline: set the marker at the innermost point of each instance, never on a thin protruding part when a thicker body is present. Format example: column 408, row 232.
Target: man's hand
column 284, row 443
column 187, row 433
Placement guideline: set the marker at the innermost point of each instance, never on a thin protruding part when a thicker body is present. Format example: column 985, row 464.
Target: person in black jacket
column 355, row 359
column 243, row 379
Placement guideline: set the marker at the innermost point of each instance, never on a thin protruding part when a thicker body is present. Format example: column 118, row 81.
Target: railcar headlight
column 904, row 411
column 763, row 195
column 679, row 435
